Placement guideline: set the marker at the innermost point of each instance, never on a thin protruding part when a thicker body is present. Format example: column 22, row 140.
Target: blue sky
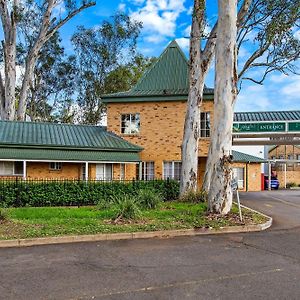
column 165, row 20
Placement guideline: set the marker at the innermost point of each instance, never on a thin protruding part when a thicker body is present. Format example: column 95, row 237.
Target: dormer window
column 130, row 123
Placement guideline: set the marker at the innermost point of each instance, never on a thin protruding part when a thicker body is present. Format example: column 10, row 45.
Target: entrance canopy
column 266, row 128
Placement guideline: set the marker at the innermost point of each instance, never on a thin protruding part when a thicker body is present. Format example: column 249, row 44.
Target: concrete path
column 264, row 265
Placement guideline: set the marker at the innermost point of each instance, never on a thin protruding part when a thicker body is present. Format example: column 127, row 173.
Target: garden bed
column 30, row 222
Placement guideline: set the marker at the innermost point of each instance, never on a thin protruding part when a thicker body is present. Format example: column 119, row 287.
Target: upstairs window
column 205, row 124
column 130, row 123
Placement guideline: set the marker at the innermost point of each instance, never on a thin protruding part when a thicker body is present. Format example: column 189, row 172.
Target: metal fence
column 16, row 191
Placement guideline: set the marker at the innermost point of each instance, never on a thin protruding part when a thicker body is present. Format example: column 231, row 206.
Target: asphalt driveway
column 264, row 265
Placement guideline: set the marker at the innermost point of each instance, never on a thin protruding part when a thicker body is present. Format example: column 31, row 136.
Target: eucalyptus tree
column 49, row 17
column 268, row 30
column 99, row 51
column 274, row 46
column 200, row 62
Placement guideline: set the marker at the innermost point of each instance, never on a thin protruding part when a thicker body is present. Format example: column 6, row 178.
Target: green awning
column 67, row 155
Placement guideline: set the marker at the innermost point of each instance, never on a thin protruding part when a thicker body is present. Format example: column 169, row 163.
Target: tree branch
column 66, row 19
column 258, row 53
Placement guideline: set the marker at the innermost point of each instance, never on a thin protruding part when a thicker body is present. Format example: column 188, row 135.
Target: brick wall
column 161, row 129
column 293, row 170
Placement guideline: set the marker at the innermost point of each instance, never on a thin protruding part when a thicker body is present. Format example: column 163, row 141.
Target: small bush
column 148, row 199
column 126, row 209
column 194, row 197
column 291, row 184
column 3, row 214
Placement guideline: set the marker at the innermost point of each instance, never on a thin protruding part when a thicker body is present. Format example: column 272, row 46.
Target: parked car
column 274, row 183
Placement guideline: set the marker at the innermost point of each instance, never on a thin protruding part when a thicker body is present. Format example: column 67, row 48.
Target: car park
column 274, row 183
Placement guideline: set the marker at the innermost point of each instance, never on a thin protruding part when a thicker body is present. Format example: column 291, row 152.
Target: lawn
column 29, row 222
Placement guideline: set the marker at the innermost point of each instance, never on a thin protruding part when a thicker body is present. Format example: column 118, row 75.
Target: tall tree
column 126, row 76
column 200, row 61
column 220, row 192
column 99, row 51
column 271, row 23
column 12, row 13
column 53, row 80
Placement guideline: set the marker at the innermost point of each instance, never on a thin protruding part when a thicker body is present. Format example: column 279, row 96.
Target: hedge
column 69, row 193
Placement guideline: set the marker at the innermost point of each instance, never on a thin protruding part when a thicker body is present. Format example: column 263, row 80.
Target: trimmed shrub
column 194, row 197
column 148, row 199
column 20, row 193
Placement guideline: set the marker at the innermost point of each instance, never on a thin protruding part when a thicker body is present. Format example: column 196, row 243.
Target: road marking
column 268, row 205
column 187, row 283
column 283, row 201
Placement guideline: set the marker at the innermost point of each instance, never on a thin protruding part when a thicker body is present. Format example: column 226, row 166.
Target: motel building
column 142, row 140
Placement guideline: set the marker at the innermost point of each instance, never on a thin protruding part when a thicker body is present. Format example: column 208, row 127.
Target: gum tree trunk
column 220, row 193
column 189, row 148
column 7, row 89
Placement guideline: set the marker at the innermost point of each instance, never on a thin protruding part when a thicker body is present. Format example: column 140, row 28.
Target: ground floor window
column 9, row 168
column 104, row 172
column 239, row 175
column 172, row 170
column 122, row 171
column 147, row 171
column 55, row 166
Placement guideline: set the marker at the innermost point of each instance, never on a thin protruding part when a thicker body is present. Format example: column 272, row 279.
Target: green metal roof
column 243, row 157
column 270, row 116
column 167, row 78
column 271, row 148
column 67, row 136
column 67, row 155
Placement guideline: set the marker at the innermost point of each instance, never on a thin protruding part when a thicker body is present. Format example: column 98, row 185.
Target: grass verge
column 32, row 222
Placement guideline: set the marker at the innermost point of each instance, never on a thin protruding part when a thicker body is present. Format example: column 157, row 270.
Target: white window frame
column 240, row 182
column 57, row 166
column 122, row 171
column 137, row 126
column 4, row 170
column 146, row 175
column 105, row 177
column 172, row 162
column 14, row 168
column 205, row 124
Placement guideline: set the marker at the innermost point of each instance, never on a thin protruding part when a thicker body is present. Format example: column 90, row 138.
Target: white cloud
column 187, row 31
column 159, row 17
column 122, row 7
column 183, row 43
column 253, row 98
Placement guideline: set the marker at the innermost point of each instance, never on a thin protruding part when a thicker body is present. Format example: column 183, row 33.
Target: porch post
column 285, row 175
column 269, row 177
column 24, row 169
column 140, row 170
column 86, row 171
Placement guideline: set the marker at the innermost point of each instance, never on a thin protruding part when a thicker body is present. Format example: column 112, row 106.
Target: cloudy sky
column 165, row 20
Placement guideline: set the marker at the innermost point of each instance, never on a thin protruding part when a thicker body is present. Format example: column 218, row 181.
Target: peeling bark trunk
column 9, row 50
column 189, row 148
column 220, row 192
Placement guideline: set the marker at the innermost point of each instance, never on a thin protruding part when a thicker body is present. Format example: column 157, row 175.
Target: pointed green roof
column 166, row 79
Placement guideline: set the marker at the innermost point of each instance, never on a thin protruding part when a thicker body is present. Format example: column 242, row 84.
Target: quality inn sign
column 259, row 127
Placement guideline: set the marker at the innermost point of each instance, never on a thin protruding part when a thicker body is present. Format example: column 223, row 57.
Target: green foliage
column 126, row 208
column 3, row 214
column 98, row 52
column 148, row 198
column 291, row 184
column 78, row 193
column 194, row 197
